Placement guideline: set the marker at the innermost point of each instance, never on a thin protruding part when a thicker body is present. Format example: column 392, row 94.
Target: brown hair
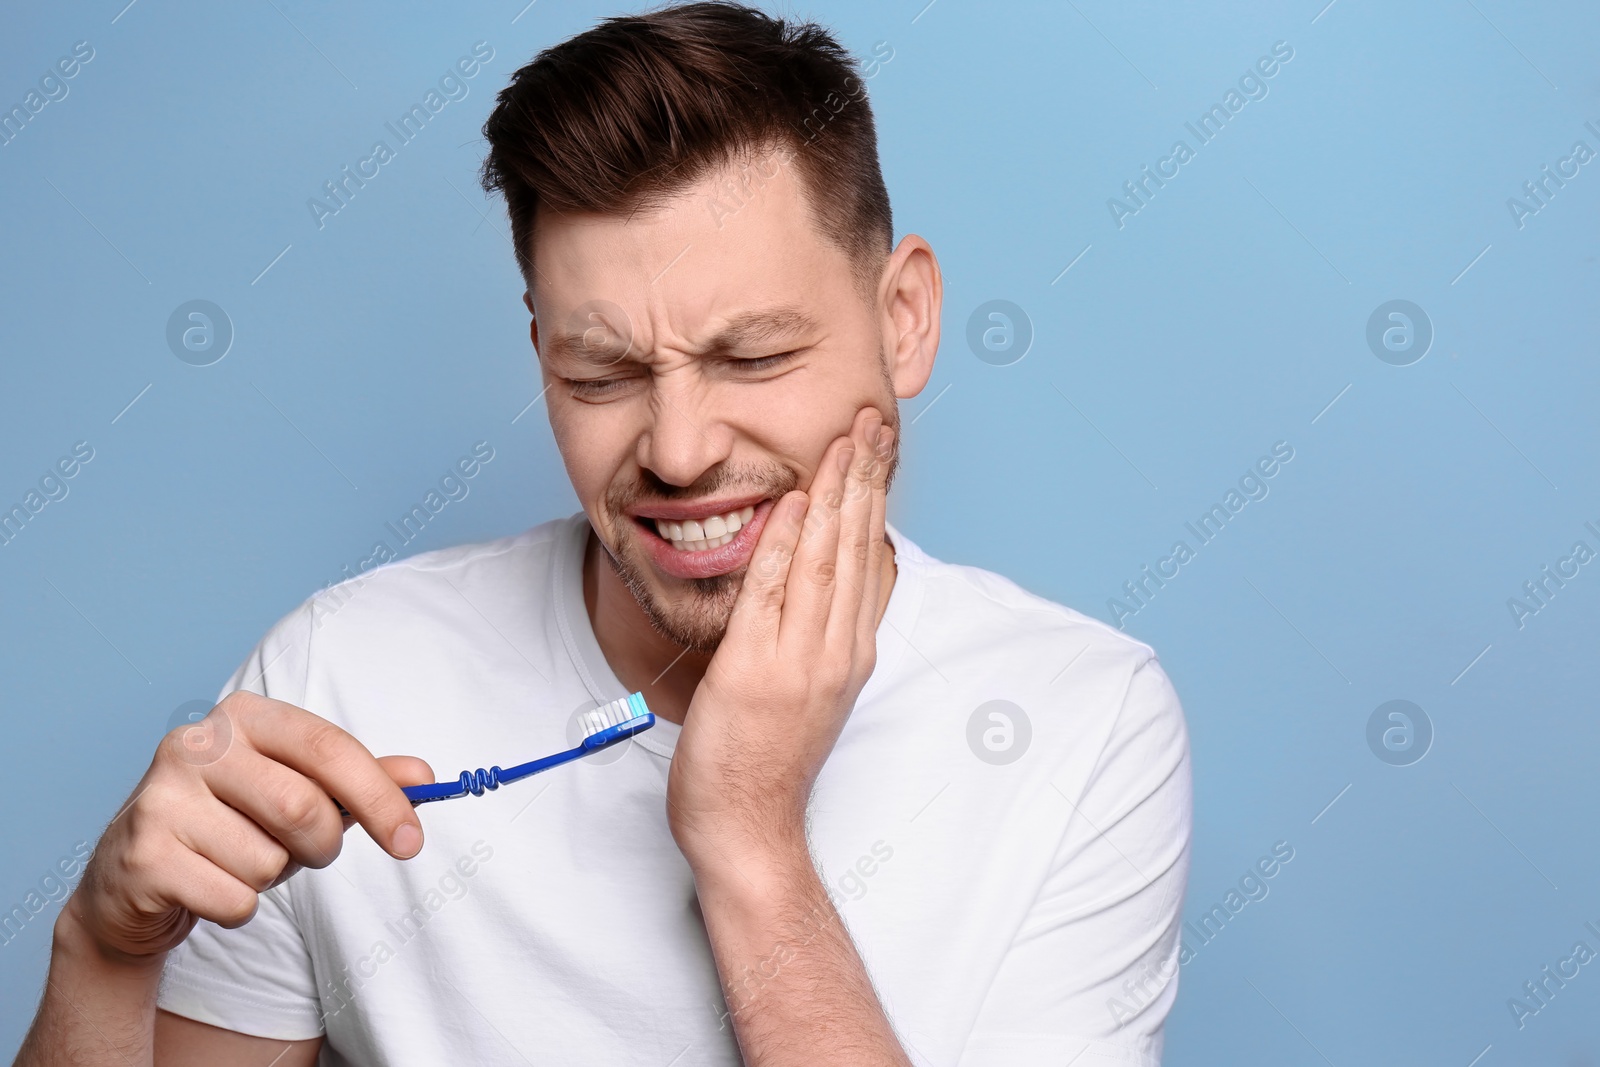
column 630, row 112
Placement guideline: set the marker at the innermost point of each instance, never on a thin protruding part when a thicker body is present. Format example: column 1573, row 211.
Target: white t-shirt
column 1009, row 913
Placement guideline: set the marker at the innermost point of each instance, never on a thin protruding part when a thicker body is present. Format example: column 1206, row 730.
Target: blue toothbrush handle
column 476, row 782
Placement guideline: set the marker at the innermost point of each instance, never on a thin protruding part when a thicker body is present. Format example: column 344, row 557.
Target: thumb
column 759, row 607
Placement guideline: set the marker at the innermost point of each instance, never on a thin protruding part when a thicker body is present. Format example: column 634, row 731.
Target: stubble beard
column 700, row 620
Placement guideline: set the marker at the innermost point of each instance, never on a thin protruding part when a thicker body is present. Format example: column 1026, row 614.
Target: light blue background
column 1223, row 317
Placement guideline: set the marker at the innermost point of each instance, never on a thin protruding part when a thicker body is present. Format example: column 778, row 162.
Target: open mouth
column 702, row 540
column 698, row 535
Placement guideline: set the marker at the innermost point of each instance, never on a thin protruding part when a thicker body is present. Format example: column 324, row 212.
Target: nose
column 685, row 439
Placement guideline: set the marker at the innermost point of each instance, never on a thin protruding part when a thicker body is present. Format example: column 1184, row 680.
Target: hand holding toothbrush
column 232, row 805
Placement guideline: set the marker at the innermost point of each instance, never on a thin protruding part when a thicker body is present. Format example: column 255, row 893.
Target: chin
column 683, row 552
column 693, row 614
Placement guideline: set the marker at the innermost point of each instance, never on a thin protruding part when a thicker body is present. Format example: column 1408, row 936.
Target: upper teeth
column 697, row 535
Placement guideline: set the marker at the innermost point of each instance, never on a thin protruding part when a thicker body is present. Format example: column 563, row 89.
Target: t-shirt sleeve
column 258, row 978
column 1093, row 970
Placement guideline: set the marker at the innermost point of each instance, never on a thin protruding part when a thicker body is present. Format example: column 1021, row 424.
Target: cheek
column 798, row 416
column 785, row 426
column 593, row 448
column 792, row 435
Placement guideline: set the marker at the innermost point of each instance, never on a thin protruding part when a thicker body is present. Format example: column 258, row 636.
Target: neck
column 640, row 656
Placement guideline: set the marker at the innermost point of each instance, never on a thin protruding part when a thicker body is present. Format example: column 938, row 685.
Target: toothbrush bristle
column 607, row 715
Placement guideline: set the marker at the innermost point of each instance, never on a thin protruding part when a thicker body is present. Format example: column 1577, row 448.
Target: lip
column 713, row 561
column 695, row 509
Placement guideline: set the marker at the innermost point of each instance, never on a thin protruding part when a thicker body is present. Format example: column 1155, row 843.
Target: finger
column 760, row 603
column 197, row 885
column 293, row 809
column 342, row 767
column 405, row 770
column 855, row 519
column 235, row 843
column 878, row 496
column 809, row 594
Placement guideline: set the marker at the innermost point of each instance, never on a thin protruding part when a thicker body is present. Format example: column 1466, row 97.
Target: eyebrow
column 752, row 328
column 745, row 330
column 573, row 346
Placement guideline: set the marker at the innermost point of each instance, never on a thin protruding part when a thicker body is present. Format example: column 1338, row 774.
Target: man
column 896, row 811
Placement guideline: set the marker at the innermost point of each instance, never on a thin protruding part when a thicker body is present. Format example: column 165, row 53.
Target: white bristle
column 607, row 715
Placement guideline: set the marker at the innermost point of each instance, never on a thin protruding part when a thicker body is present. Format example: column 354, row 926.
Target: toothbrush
column 602, row 727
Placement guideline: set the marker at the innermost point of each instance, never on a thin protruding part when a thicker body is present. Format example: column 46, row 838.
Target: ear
column 911, row 295
column 533, row 320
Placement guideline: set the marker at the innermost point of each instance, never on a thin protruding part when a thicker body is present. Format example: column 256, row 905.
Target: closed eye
column 596, row 388
column 758, row 364
column 758, row 368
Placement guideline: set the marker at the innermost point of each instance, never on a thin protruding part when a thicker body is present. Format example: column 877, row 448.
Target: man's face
column 699, row 358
